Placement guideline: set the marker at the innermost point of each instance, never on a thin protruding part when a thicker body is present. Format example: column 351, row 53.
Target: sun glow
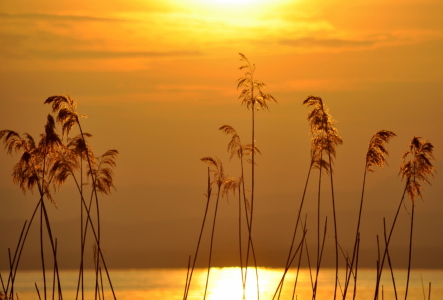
column 231, row 2
column 229, row 5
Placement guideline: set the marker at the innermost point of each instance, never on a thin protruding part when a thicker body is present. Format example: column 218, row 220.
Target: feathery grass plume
column 66, row 109
column 414, row 170
column 375, row 156
column 24, row 171
column 252, row 92
column 317, row 160
column 103, row 171
column 325, row 136
column 36, row 159
column 48, row 148
column 324, row 141
column 418, row 168
column 230, row 185
column 234, row 146
column 377, row 151
column 14, row 143
column 67, row 160
column 33, row 170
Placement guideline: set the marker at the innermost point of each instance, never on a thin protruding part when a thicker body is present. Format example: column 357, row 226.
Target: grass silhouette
column 48, row 163
column 375, row 156
column 236, row 148
column 417, row 169
column 252, row 95
column 325, row 139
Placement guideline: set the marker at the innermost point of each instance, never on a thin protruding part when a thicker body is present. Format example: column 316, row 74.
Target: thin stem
column 335, row 218
column 410, row 250
column 240, row 239
column 288, row 265
column 356, row 268
column 42, row 256
column 380, row 268
column 212, row 240
column 318, row 227
column 321, row 255
column 389, row 261
column 299, row 263
column 357, row 235
column 185, row 296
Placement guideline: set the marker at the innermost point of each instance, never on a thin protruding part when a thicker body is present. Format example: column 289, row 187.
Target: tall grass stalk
column 417, row 169
column 208, row 198
column 253, row 96
column 325, row 139
column 66, row 109
column 236, row 148
column 381, row 261
column 375, row 156
column 290, row 254
column 221, row 180
column 389, row 261
column 29, row 172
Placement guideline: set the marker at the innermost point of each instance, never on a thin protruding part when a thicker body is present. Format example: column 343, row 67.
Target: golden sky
column 157, row 79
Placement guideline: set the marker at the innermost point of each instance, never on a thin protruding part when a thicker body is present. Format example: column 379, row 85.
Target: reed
column 191, row 271
column 416, row 170
column 101, row 173
column 47, row 165
column 375, row 156
column 224, row 183
column 236, row 148
column 253, row 96
column 325, row 139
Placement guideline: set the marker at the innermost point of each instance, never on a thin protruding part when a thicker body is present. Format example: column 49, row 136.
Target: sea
column 226, row 284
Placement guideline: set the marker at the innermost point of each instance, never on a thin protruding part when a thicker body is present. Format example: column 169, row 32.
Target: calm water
column 225, row 283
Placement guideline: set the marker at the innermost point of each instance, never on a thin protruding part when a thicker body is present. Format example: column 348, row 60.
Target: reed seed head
column 418, row 167
column 252, row 91
column 377, row 150
column 325, row 137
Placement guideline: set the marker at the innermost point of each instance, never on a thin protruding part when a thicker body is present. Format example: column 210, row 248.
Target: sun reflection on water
column 226, row 283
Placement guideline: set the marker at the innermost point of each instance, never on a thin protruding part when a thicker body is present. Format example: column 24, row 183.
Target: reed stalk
column 221, row 180
column 101, row 174
column 254, row 97
column 418, row 168
column 208, row 198
column 375, row 156
column 325, row 139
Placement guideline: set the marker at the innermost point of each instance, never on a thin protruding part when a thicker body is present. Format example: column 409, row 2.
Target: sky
column 158, row 78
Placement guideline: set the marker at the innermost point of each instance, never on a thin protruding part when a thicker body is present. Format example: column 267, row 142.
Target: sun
column 231, row 3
